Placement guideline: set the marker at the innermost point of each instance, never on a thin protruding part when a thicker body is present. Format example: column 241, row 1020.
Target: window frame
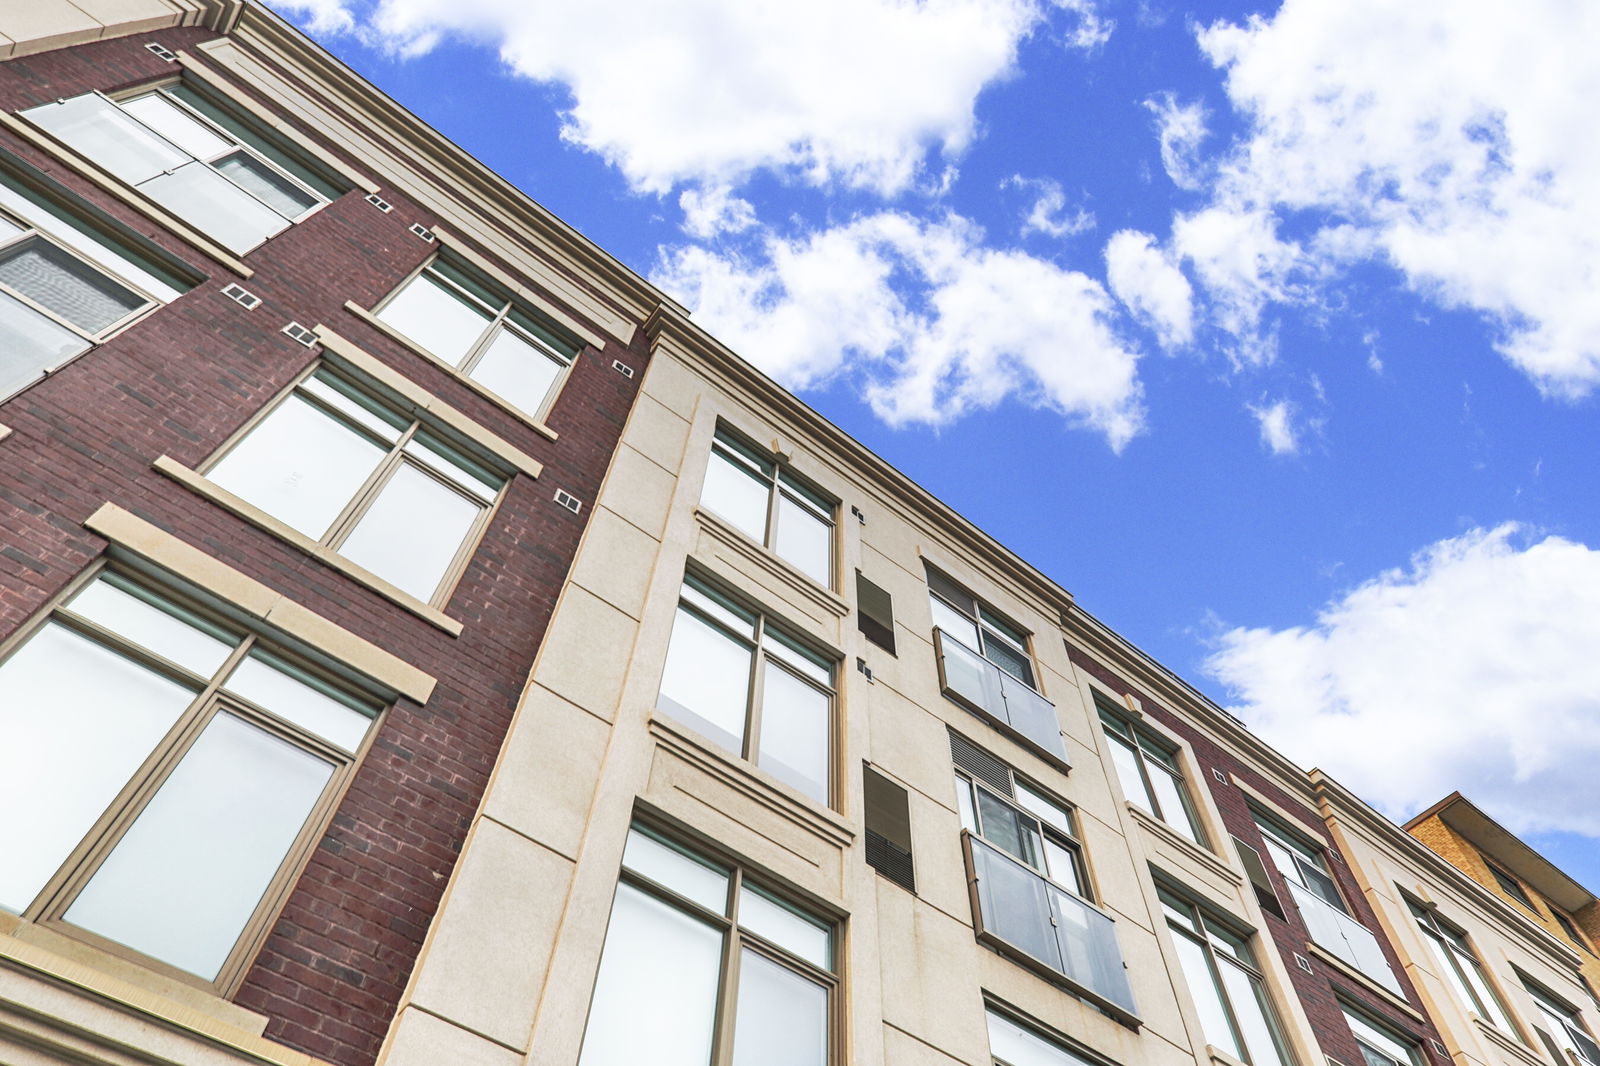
column 735, row 938
column 497, row 321
column 367, row 494
column 1510, row 884
column 755, row 688
column 989, row 623
column 1304, row 852
column 1143, row 745
column 1449, row 944
column 1071, row 842
column 1203, row 924
column 782, row 482
column 1415, row 1056
column 1550, row 1008
column 209, row 702
column 1569, row 927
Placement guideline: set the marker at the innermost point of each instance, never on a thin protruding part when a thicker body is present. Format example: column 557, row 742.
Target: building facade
column 510, row 673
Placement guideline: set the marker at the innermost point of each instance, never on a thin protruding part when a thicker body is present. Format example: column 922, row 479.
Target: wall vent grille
column 622, row 368
column 161, row 51
column 300, row 334
column 241, row 296
column 380, row 203
column 1303, row 962
column 569, row 501
column 422, row 231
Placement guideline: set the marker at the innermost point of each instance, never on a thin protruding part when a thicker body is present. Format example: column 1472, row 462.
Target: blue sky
column 1268, row 330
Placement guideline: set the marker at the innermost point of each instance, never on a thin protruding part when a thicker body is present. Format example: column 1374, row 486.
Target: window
column 1151, row 780
column 701, row 966
column 1218, row 966
column 1380, row 1045
column 1299, row 862
column 365, row 480
column 191, row 157
column 1563, row 1031
column 984, row 665
column 1028, row 885
column 751, row 688
column 1459, row 967
column 1571, row 930
column 477, row 328
column 762, row 499
column 64, row 286
column 887, row 815
column 1014, row 1044
column 874, row 613
column 1510, row 886
column 172, row 768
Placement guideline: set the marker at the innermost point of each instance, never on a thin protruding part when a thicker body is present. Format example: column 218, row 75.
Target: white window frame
column 1145, row 749
column 782, row 484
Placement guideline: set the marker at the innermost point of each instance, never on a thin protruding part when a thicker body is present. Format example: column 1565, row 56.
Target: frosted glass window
column 96, row 128
column 266, row 184
column 794, row 733
column 1012, row 1044
column 798, row 935
column 175, row 124
column 655, row 1000
column 804, row 540
column 300, row 465
column 737, row 494
column 218, row 207
column 666, row 865
column 1207, row 996
column 61, row 283
column 437, row 316
column 196, row 646
column 31, row 343
column 412, row 532
column 519, row 371
column 707, row 679
column 269, row 686
column 185, row 879
column 782, row 1018
column 78, row 720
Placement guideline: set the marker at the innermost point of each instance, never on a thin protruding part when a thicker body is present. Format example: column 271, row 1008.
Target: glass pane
column 686, row 874
column 804, row 540
column 411, row 533
column 299, row 465
column 215, row 206
column 96, row 128
column 30, row 344
column 655, row 999
column 176, row 125
column 147, row 625
column 263, row 683
column 969, row 818
column 8, row 229
column 1321, row 884
column 1062, row 866
column 729, row 614
column 517, row 370
column 1014, row 904
column 707, row 680
column 782, row 1016
column 1013, row 1045
column 1248, row 999
column 60, row 282
column 799, row 935
column 454, row 466
column 386, row 425
column 187, row 876
column 1090, row 954
column 1173, row 810
column 1008, row 829
column 1379, row 1041
column 84, row 240
column 436, row 317
column 806, row 662
column 1492, row 1011
column 1127, row 764
column 1207, row 996
column 78, row 719
column 266, row 184
column 1007, row 658
column 737, row 495
column 1047, row 811
column 954, row 623
column 794, row 733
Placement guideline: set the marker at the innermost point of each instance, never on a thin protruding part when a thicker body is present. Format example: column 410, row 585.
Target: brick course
column 180, row 382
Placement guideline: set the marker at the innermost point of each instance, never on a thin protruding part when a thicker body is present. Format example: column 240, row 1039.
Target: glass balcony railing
column 1021, row 911
column 977, row 683
column 1344, row 938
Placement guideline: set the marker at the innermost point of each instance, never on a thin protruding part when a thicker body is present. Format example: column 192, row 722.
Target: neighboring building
column 1498, row 860
column 426, row 646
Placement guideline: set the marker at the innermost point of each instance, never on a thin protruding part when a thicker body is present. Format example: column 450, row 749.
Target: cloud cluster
column 1417, row 135
column 935, row 322
column 1151, row 286
column 1475, row 665
column 710, row 91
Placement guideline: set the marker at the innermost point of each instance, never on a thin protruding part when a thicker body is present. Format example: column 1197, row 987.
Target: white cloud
column 710, row 91
column 1182, row 129
column 708, row 212
column 1474, row 669
column 932, row 322
column 1243, row 267
column 1048, row 214
column 1150, row 285
column 323, row 16
column 1089, row 29
column 1423, row 136
column 1276, row 422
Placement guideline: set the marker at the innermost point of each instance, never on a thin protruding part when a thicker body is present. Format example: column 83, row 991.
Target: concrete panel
column 639, row 490
column 40, row 25
column 486, row 960
column 586, row 653
column 545, row 780
column 931, row 988
column 657, row 432
column 616, row 561
column 422, row 1040
column 674, row 387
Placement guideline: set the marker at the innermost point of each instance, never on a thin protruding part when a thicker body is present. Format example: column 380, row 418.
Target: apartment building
column 300, row 413
column 510, row 673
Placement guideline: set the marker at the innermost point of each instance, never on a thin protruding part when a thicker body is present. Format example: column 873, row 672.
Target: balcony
column 979, row 685
column 1051, row 931
column 1344, row 938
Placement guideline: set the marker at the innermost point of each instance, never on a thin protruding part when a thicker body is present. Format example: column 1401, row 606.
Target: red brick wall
column 179, row 383
column 1316, row 991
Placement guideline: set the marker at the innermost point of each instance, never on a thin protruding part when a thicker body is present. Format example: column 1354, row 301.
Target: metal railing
column 1015, row 906
column 979, row 684
column 1344, row 938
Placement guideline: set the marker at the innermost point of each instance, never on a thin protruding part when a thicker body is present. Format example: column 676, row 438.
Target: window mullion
column 773, row 492
column 345, row 523
column 1144, row 776
column 480, row 347
column 753, row 700
column 728, row 988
